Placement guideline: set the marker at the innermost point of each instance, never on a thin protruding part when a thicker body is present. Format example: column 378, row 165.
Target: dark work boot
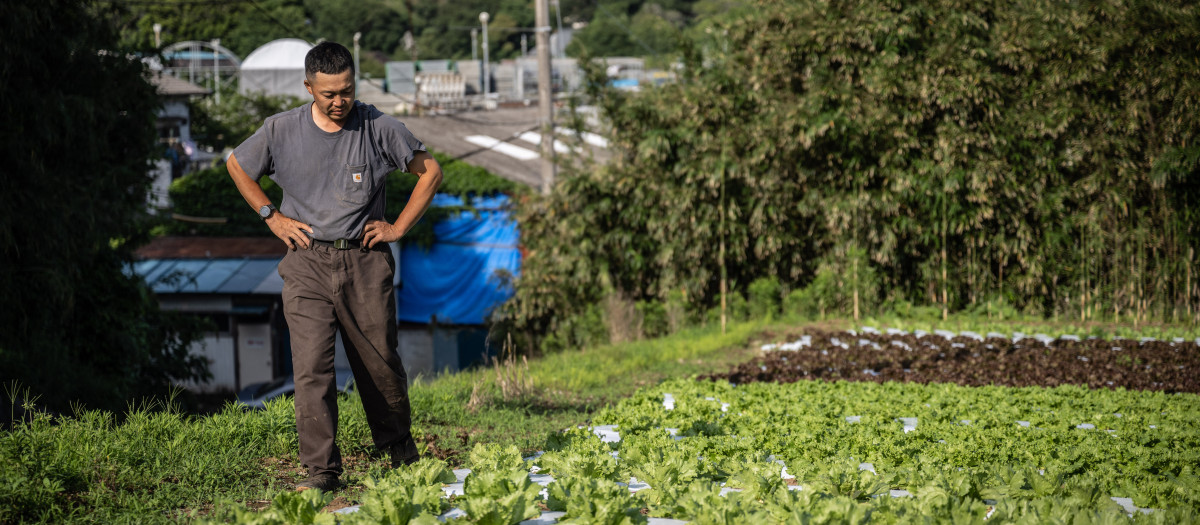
column 323, row 482
column 403, row 452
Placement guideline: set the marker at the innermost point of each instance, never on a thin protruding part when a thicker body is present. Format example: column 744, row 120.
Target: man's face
column 333, row 94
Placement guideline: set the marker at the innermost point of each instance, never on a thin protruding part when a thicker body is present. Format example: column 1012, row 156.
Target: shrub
column 654, row 318
column 764, row 297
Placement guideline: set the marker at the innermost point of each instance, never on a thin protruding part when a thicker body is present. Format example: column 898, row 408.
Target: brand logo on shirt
column 358, row 177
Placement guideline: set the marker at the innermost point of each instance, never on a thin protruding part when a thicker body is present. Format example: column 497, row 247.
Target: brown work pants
column 326, row 289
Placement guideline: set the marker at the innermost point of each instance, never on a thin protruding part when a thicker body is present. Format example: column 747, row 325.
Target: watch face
column 265, row 211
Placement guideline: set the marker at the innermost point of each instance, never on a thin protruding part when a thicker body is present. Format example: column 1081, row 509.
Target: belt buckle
column 342, row 244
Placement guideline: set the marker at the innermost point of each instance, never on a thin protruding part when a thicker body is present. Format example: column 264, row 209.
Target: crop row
column 971, row 359
column 826, row 452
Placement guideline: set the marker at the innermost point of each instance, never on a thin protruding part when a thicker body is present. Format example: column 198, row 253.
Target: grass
column 159, row 465
column 566, row 389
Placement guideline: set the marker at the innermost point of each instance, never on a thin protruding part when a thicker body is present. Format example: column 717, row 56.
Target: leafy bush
column 585, row 329
column 76, row 328
column 831, row 292
column 237, row 116
column 736, row 309
column 210, row 194
column 909, row 166
column 764, row 297
column 654, row 318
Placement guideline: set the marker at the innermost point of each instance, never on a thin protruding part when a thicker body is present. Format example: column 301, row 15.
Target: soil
column 1097, row 363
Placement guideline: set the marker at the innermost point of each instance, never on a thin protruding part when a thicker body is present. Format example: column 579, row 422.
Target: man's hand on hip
column 380, row 231
column 293, row 233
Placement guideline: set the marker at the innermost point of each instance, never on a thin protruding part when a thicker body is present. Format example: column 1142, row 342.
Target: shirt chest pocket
column 355, row 184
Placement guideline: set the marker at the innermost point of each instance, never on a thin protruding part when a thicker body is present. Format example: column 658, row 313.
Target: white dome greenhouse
column 276, row 68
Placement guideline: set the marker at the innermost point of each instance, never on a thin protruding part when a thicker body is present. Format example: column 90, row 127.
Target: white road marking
column 498, row 146
column 586, row 136
column 536, row 138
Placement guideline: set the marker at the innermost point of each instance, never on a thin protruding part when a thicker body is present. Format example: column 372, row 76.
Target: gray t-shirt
column 331, row 181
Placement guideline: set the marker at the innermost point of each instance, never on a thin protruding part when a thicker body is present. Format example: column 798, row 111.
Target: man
column 331, row 157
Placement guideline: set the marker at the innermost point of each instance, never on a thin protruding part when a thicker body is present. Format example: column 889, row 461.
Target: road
column 505, row 140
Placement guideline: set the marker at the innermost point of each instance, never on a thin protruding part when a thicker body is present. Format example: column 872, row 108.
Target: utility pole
column 357, row 36
column 545, row 109
column 558, row 47
column 216, row 45
column 487, row 84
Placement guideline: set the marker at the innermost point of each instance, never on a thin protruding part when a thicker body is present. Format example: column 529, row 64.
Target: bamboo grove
column 1037, row 154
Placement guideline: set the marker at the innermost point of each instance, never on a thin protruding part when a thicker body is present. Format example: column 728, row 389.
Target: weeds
column 511, row 377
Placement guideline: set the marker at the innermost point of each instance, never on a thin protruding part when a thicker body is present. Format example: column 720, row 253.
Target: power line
column 176, row 2
column 271, row 16
column 173, row 3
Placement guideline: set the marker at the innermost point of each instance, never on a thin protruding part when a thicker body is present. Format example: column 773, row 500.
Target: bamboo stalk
column 721, row 235
column 945, row 302
column 1187, row 287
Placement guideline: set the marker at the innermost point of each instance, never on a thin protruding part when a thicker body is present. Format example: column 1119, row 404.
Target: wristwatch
column 266, row 211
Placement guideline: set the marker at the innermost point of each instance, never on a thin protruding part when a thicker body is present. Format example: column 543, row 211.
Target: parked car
column 257, row 394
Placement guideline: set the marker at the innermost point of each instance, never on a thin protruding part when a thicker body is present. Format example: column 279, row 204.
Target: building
column 444, row 294
column 180, row 154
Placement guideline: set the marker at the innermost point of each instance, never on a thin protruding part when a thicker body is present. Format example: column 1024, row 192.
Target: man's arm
column 289, row 230
column 429, row 175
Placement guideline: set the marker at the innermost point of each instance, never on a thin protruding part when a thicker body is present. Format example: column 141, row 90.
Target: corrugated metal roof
column 225, row 276
column 212, row 248
column 171, row 86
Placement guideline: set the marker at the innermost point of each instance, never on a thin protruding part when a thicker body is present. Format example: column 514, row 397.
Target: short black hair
column 330, row 58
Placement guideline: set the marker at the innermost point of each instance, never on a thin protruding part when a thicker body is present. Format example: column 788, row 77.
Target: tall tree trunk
column 945, row 302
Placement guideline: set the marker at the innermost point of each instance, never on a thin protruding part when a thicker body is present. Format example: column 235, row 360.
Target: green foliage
column 832, row 289
column 75, row 326
column 847, row 479
column 94, row 466
column 241, row 27
column 291, row 508
column 1051, row 468
column 495, row 457
column 764, row 297
column 736, row 309
column 459, row 178
column 939, row 153
column 405, row 494
column 590, row 500
column 233, row 120
column 499, row 497
column 653, row 315
column 210, row 193
column 584, row 330
column 427, row 471
column 591, row 462
column 154, row 457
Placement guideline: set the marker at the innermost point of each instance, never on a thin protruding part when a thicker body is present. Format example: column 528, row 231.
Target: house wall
column 254, row 353
column 218, row 349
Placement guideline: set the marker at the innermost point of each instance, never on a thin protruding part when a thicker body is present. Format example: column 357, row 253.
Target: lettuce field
column 846, row 428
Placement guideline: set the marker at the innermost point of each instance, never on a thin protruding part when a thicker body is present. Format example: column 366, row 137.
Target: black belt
column 340, row 244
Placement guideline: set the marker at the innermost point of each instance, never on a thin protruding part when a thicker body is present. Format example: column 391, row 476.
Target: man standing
column 330, row 158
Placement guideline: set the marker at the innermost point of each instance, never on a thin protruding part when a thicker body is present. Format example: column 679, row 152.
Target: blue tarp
column 462, row 277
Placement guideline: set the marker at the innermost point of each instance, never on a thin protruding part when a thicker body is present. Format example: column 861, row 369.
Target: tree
column 77, row 326
column 958, row 149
